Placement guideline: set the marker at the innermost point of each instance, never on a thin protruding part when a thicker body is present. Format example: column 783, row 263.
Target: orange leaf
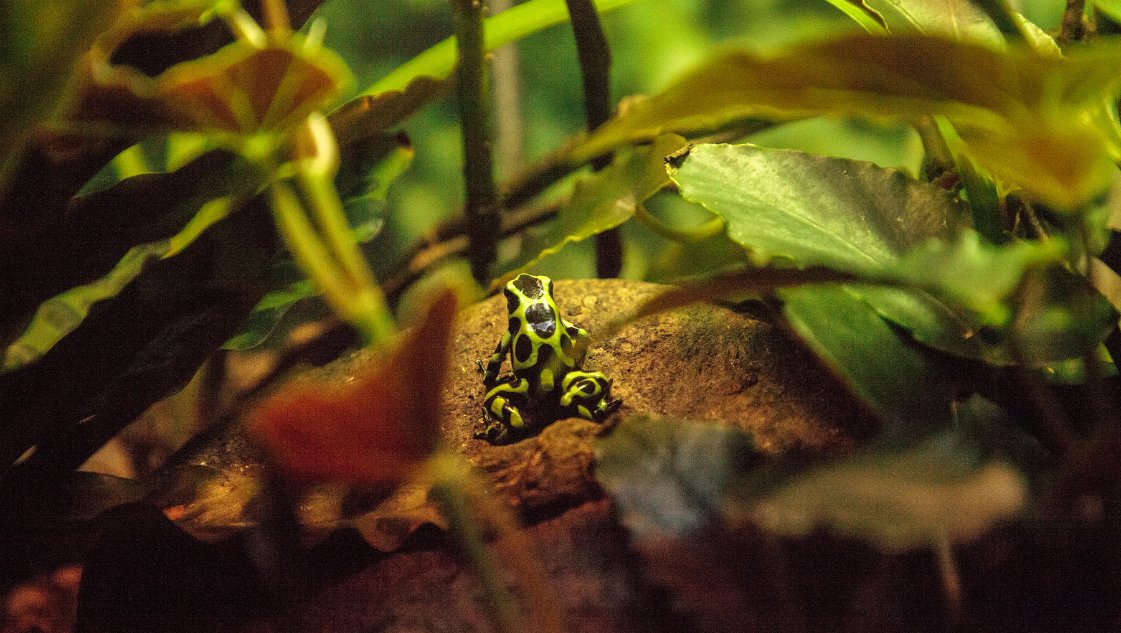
column 243, row 89
column 376, row 427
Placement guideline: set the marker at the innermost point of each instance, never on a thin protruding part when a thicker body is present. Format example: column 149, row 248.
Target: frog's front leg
column 490, row 376
column 588, row 395
column 580, row 342
column 502, row 404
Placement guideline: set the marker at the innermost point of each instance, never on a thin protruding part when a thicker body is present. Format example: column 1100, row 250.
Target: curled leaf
column 375, row 428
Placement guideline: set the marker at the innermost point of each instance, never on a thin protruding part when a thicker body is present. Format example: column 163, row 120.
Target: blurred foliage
column 919, row 191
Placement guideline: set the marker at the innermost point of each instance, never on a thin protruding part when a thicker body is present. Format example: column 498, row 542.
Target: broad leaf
column 816, row 211
column 58, row 316
column 138, row 347
column 955, row 19
column 867, row 17
column 942, row 283
column 910, row 393
column 1038, row 106
column 935, row 491
column 973, row 274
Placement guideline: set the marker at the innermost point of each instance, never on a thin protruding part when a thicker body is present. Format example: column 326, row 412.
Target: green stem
column 704, row 231
column 356, row 299
column 481, row 204
column 367, row 302
column 449, row 490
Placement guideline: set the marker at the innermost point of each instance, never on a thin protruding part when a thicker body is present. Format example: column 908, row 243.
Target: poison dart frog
column 546, row 353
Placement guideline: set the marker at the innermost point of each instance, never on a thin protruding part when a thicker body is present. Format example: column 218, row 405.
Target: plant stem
column 686, row 236
column 509, row 131
column 449, row 490
column 594, row 54
column 481, row 204
column 1073, row 29
column 939, row 160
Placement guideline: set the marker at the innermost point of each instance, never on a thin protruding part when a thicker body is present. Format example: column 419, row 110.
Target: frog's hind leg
column 502, row 404
column 588, row 395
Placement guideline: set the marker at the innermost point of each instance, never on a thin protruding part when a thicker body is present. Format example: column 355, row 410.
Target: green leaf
column 1024, row 116
column 817, row 211
column 977, row 276
column 956, row 19
column 77, row 248
column 942, row 283
column 910, row 393
column 671, row 476
column 607, row 198
column 868, row 18
column 58, row 316
column 938, row 490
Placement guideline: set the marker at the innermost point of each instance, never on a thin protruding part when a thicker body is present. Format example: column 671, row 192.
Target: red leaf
column 376, row 427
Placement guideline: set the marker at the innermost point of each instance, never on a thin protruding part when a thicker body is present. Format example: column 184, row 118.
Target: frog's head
column 528, row 288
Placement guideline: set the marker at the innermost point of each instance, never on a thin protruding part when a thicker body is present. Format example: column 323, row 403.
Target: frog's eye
column 512, row 301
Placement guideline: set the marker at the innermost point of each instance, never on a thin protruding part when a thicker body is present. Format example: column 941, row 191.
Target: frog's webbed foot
column 501, row 406
column 587, row 394
column 496, row 434
column 607, row 406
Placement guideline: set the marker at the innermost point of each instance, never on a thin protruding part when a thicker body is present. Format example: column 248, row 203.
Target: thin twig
column 1073, row 29
column 509, row 130
column 481, row 205
column 939, row 160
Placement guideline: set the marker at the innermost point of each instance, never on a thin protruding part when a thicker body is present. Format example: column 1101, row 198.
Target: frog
column 547, row 381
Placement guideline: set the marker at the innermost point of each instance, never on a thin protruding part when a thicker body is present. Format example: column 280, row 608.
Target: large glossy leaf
column 95, row 231
column 936, row 278
column 59, row 315
column 847, row 215
column 863, row 14
column 1024, row 115
column 813, row 210
column 956, row 19
column 137, row 347
column 973, row 274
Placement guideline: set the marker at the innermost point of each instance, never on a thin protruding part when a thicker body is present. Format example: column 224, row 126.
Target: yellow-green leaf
column 1029, row 118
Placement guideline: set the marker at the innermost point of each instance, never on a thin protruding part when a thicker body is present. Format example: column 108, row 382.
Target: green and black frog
column 546, row 353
